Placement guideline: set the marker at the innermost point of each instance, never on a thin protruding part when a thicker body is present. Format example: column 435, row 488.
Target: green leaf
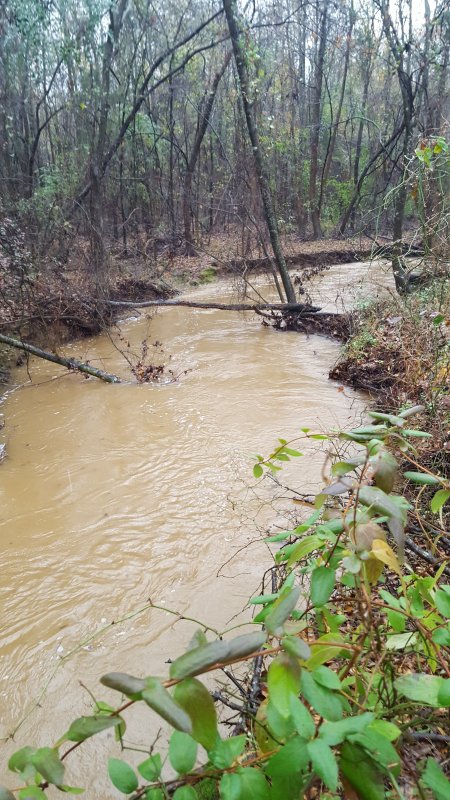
column 290, row 785
column 420, row 688
column 322, row 584
column 309, row 522
column 20, row 762
column 434, row 778
column 391, row 418
column 400, row 641
column 384, row 467
column 262, row 599
column 257, row 470
column 201, row 658
column 417, row 434
column 281, row 611
column 444, row 693
column 359, row 770
column 334, row 733
column 253, row 784
column 122, row 776
column 296, row 647
column 324, row 763
column 409, row 412
column 159, row 699
column 150, row 769
column 304, row 548
column 341, row 468
column 283, row 681
column 439, row 499
column 323, row 700
column 326, row 677
column 442, row 599
column 182, row 752
column 198, row 639
column 291, row 758
column 325, row 648
column 387, row 729
column 302, row 719
column 154, row 794
column 126, row 684
column 185, row 793
column 230, row 786
column 226, row 751
column 397, row 621
column 393, row 507
column 422, row 478
column 441, row 636
column 245, row 645
column 380, row 749
column 85, row 727
column 352, row 564
column 278, row 537
column 280, row 727
column 5, row 794
column 31, row 793
column 195, row 699
column 48, row 764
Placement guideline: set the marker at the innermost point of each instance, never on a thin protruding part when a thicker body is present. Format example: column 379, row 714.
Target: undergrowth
column 400, row 352
column 344, row 681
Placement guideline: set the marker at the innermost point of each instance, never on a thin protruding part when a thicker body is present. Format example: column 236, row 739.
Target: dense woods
column 124, row 124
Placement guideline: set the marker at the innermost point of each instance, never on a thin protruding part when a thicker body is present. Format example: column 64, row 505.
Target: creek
column 112, row 495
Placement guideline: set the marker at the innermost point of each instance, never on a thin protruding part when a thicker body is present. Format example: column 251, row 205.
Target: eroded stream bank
column 112, row 495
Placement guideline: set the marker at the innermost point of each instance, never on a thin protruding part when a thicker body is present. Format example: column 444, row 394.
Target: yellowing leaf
column 384, row 553
column 373, row 568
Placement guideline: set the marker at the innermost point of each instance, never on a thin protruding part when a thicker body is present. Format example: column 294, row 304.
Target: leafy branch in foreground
column 348, row 673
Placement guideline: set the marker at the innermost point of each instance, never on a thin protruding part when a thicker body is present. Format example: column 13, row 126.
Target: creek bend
column 112, row 495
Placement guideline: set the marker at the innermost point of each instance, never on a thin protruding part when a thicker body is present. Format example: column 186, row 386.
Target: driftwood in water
column 69, row 363
column 297, row 308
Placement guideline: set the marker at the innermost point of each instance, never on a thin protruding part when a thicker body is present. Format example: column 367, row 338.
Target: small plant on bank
column 348, row 667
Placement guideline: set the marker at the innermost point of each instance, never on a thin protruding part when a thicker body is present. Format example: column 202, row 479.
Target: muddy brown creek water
column 111, row 495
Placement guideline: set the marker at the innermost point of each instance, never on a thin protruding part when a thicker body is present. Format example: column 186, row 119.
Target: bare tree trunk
column 238, row 42
column 332, row 143
column 401, row 55
column 96, row 198
column 315, row 124
column 202, row 126
column 368, row 169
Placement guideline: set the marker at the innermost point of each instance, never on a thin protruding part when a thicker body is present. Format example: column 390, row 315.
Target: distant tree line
column 125, row 120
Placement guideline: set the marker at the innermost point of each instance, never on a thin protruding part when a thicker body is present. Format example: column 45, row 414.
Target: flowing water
column 114, row 495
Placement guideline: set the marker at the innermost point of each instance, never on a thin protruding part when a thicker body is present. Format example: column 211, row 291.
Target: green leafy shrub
column 352, row 648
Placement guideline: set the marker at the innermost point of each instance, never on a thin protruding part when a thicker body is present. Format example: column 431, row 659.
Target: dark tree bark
column 238, row 42
column 386, row 150
column 116, row 17
column 202, row 126
column 332, row 142
column 144, row 91
column 401, row 53
column 316, row 98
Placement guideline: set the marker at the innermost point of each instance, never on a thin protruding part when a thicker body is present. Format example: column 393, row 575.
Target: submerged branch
column 301, row 308
column 69, row 363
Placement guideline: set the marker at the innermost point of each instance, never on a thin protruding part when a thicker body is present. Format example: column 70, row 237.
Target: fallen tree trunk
column 69, row 363
column 300, row 308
